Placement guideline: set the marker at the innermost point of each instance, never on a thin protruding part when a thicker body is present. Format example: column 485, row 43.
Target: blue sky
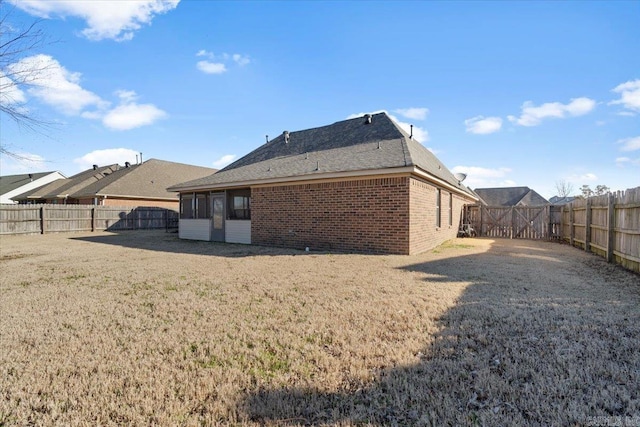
column 512, row 93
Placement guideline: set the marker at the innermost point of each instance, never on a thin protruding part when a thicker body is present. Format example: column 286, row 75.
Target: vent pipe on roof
column 411, row 136
column 367, row 119
column 318, row 165
column 286, row 136
column 141, row 158
column 267, row 139
column 30, row 177
column 95, row 167
column 136, row 159
column 127, row 164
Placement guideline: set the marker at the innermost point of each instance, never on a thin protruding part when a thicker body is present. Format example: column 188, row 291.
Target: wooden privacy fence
column 607, row 225
column 514, row 222
column 41, row 219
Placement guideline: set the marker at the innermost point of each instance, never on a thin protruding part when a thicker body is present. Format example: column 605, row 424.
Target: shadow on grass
column 533, row 340
column 154, row 240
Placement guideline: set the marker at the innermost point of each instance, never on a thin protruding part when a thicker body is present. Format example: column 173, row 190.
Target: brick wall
column 424, row 232
column 364, row 215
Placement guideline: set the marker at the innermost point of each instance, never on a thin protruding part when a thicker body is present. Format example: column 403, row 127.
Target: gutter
column 322, row 176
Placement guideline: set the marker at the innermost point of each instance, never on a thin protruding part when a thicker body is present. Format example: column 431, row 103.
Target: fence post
column 93, row 219
column 587, row 227
column 572, row 231
column 42, row 223
column 611, row 227
column 481, row 209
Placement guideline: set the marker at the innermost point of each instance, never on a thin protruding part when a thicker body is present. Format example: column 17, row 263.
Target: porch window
column 186, row 206
column 202, row 204
column 240, row 204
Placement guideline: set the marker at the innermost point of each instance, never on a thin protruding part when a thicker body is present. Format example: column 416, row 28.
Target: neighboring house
column 14, row 185
column 59, row 192
column 360, row 185
column 510, row 196
column 144, row 184
column 557, row 200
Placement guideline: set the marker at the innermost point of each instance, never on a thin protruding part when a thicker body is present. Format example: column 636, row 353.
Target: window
column 202, row 205
column 450, row 209
column 240, row 204
column 186, row 206
column 438, row 204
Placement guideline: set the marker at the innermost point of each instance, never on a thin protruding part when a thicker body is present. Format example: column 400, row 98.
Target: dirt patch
column 141, row 328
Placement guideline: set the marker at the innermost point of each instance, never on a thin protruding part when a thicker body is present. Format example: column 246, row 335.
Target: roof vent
column 367, row 119
column 411, row 136
column 30, row 177
column 95, row 167
column 286, row 136
column 127, row 164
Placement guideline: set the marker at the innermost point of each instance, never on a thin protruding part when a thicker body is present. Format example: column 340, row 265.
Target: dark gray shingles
column 510, row 196
column 347, row 146
column 12, row 182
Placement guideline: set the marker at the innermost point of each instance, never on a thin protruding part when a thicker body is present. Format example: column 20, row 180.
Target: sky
column 510, row 93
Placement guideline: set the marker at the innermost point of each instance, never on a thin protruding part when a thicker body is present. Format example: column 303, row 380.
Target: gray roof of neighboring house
column 510, row 196
column 146, row 180
column 65, row 187
column 11, row 182
column 346, row 146
column 557, row 200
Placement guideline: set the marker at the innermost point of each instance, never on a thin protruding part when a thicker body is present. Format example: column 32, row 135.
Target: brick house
column 361, row 185
column 143, row 184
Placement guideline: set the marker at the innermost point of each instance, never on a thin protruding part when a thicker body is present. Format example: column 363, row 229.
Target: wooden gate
column 515, row 222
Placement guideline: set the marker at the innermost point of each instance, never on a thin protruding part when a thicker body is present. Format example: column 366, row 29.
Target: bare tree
column 16, row 42
column 564, row 188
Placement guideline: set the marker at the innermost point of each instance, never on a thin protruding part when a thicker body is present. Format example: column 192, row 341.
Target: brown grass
column 140, row 328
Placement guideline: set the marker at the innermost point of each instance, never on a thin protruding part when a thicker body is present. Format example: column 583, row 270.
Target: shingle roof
column 65, row 187
column 147, row 180
column 510, row 196
column 11, row 182
column 346, row 146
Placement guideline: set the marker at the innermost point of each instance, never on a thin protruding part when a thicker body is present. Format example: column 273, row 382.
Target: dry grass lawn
column 141, row 328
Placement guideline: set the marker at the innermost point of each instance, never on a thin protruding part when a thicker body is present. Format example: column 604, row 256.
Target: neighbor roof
column 146, row 180
column 64, row 187
column 510, row 196
column 11, row 182
column 350, row 146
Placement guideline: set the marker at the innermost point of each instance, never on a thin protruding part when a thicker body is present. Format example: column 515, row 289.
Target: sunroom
column 216, row 216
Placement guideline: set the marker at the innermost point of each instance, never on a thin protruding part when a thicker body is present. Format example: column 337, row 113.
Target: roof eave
column 329, row 175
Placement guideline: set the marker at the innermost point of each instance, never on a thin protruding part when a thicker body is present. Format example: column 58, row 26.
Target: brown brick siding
column 364, row 215
column 424, row 233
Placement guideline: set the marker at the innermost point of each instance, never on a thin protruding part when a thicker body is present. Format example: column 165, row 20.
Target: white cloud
column 241, row 60
column 533, row 116
column 589, row 176
column 208, row 67
column 629, row 96
column 624, row 161
column 419, row 134
column 130, row 115
column 413, row 113
column 54, row 85
column 10, row 93
column 218, row 64
column 224, row 161
column 21, row 162
column 106, row 157
column 106, row 19
column 480, row 177
column 630, row 144
column 483, row 125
